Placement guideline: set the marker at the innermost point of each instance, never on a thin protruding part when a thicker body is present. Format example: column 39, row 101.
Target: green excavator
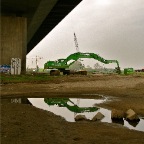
column 62, row 64
column 66, row 102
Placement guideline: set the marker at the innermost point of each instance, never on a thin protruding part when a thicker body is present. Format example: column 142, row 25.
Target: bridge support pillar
column 13, row 40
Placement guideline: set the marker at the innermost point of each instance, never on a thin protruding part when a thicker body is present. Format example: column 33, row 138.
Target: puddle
column 70, row 107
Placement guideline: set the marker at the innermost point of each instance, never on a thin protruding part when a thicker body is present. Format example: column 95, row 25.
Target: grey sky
column 114, row 29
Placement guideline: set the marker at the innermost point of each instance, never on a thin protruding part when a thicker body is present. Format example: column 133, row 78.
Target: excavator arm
column 79, row 55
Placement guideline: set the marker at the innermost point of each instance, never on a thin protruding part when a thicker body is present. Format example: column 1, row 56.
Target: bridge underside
column 58, row 12
column 25, row 23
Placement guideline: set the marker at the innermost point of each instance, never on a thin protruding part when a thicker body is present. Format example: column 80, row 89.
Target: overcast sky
column 114, row 29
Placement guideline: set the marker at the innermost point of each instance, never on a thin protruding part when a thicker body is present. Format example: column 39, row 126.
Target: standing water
column 68, row 108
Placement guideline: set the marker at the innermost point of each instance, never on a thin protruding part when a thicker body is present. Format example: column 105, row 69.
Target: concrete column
column 13, row 40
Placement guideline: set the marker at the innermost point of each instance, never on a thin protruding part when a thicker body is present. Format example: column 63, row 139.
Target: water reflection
column 133, row 123
column 68, row 107
column 15, row 100
column 120, row 121
column 66, row 102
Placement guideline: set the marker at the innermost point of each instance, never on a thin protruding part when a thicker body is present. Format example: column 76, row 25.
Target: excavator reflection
column 66, row 102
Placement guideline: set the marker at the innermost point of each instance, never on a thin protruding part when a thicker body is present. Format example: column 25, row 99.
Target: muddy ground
column 25, row 124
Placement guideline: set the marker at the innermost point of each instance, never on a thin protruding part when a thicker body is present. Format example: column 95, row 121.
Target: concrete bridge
column 24, row 23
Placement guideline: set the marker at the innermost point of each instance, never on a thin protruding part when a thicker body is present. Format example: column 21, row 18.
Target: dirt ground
column 25, row 124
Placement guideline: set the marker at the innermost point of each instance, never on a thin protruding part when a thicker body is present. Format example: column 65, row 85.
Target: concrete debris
column 98, row 116
column 131, row 115
column 80, row 118
column 117, row 114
